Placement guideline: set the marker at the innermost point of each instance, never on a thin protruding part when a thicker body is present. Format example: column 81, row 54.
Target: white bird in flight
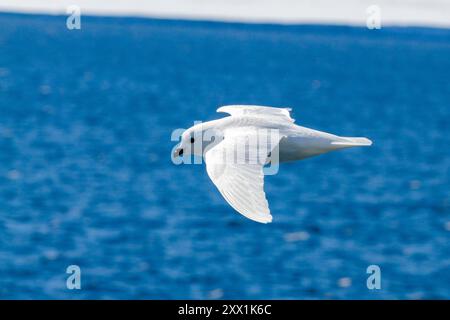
column 258, row 135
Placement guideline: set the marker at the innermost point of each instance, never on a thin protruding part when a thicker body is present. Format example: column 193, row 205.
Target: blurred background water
column 86, row 176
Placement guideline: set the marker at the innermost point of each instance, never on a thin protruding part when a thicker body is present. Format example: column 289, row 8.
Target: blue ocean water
column 86, row 177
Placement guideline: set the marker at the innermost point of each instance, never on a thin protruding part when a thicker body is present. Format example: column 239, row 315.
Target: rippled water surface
column 86, row 176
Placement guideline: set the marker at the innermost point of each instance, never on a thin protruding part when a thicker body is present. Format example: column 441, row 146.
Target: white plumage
column 245, row 141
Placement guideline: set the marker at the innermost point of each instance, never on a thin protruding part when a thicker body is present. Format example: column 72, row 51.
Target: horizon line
column 349, row 13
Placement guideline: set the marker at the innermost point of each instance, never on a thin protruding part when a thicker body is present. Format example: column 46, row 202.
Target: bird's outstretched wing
column 235, row 165
column 240, row 110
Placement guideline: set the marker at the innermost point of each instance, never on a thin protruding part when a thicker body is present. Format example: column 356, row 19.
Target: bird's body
column 241, row 182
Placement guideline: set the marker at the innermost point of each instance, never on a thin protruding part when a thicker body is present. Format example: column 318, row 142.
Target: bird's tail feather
column 353, row 141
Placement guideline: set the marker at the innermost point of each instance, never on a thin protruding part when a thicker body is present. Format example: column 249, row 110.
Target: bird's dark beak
column 178, row 152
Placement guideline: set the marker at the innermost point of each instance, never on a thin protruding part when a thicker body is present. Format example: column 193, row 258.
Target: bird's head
column 196, row 140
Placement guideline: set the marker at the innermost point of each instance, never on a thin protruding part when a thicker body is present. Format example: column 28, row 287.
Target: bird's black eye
column 192, row 140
